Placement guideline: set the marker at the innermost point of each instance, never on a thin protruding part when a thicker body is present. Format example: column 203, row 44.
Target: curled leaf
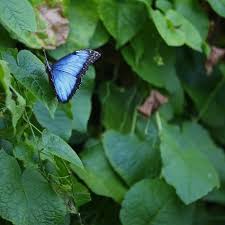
column 152, row 103
column 57, row 25
column 215, row 56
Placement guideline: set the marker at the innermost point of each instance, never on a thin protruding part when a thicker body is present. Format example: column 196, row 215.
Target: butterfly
column 65, row 75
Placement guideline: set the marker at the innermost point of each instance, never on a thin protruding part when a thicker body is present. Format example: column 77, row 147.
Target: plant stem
column 159, row 122
column 134, row 120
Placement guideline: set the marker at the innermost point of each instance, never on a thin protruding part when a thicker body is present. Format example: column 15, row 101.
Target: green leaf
column 193, row 12
column 80, row 193
column 27, row 153
column 15, row 14
column 123, row 19
column 112, row 97
column 81, row 102
column 164, row 5
column 83, row 18
column 15, row 105
column 133, row 159
column 176, row 30
column 181, row 164
column 19, row 20
column 60, row 124
column 100, row 36
column 56, row 146
column 98, row 174
column 205, row 145
column 153, row 202
column 218, row 6
column 26, row 198
column 154, row 62
column 30, row 72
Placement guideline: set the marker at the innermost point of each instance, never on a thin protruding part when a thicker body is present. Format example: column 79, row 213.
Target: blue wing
column 66, row 73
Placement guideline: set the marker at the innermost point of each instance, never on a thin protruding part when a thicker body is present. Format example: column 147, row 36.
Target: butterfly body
column 65, row 75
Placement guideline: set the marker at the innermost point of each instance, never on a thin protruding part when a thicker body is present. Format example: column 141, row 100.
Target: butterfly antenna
column 46, row 60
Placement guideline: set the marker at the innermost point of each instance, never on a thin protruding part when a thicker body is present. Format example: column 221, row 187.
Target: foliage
column 98, row 160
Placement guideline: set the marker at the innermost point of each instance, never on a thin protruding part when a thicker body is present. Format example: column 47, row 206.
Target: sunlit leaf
column 175, row 29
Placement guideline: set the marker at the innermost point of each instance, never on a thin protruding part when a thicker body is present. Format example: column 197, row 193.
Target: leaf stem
column 115, row 71
column 158, row 121
column 28, row 120
column 147, row 126
column 128, row 104
column 31, row 124
column 134, row 120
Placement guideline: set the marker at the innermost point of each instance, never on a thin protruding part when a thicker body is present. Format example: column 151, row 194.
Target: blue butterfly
column 65, row 75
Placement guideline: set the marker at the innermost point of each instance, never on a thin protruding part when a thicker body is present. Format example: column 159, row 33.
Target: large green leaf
column 56, row 146
column 98, row 174
column 100, row 36
column 184, row 165
column 83, row 21
column 30, row 72
column 16, row 105
column 218, row 6
column 132, row 159
column 153, row 202
column 60, row 124
column 123, row 19
column 26, row 198
column 81, row 193
column 200, row 137
column 154, row 62
column 176, row 29
column 17, row 16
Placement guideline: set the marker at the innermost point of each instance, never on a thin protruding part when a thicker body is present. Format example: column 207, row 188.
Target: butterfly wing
column 65, row 74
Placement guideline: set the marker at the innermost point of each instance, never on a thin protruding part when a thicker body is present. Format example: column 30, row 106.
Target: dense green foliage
column 98, row 160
